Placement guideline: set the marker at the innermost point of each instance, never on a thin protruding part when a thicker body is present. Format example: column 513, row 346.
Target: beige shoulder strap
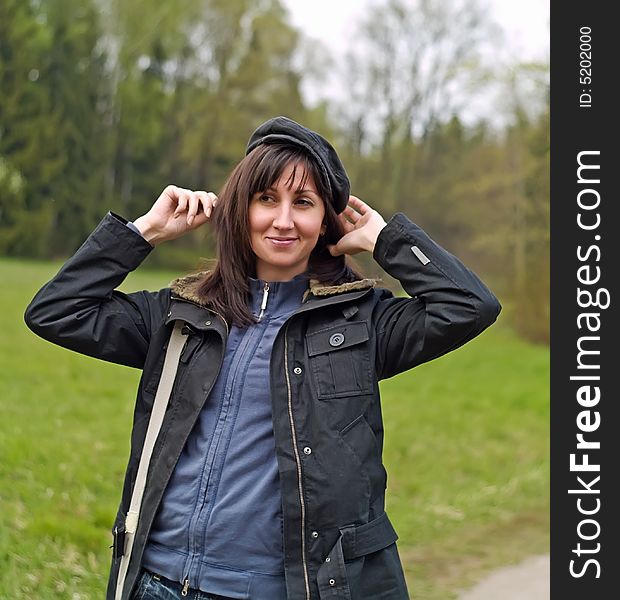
column 171, row 362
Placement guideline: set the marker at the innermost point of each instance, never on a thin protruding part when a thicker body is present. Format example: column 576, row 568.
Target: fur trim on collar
column 318, row 289
column 187, row 287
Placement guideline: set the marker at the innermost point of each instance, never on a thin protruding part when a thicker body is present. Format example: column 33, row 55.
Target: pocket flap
column 337, row 337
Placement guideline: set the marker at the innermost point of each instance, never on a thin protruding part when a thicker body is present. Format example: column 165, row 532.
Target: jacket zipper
column 185, row 587
column 263, row 305
column 298, row 464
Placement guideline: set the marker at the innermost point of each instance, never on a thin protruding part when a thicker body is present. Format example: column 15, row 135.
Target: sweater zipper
column 263, row 305
column 298, row 464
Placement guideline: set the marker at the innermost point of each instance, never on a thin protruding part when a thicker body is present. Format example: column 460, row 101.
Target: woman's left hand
column 362, row 225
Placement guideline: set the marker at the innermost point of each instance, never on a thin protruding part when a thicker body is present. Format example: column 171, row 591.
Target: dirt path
column 528, row 580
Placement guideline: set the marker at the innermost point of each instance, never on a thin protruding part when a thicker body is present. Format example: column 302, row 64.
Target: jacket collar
column 187, row 288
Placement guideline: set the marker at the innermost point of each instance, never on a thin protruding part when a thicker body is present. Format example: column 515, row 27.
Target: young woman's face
column 285, row 223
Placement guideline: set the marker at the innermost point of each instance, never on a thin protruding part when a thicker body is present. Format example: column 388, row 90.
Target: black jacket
column 325, row 366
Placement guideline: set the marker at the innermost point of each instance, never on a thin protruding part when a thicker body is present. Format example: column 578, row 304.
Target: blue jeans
column 157, row 587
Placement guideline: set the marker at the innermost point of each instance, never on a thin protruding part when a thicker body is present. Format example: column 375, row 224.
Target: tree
column 73, row 77
column 412, row 65
column 30, row 155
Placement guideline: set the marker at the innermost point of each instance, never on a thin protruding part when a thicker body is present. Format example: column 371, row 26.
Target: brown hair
column 225, row 289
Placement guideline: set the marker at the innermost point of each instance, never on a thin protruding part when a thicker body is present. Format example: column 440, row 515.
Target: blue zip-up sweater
column 219, row 525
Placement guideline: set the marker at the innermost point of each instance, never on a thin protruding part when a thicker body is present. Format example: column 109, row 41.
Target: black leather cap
column 282, row 129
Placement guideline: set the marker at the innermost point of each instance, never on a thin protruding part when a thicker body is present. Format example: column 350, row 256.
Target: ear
column 323, row 229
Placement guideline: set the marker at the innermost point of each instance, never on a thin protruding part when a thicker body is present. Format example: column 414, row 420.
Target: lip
column 282, row 242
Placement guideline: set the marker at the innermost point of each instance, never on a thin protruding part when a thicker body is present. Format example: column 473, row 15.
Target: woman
column 266, row 480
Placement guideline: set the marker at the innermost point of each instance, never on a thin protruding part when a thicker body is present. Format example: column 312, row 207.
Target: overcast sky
column 525, row 25
column 525, row 22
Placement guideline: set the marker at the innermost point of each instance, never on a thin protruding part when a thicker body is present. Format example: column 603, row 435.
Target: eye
column 304, row 202
column 265, row 198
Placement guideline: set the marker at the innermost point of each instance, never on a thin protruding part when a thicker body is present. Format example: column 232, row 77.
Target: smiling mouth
column 281, row 242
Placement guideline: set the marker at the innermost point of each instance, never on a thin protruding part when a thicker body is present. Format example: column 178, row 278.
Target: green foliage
column 483, row 197
column 30, row 155
column 466, row 449
column 13, row 214
column 74, row 72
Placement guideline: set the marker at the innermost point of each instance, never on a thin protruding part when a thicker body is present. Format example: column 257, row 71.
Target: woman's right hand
column 174, row 213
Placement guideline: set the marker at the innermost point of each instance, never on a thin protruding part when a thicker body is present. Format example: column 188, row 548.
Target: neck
column 270, row 273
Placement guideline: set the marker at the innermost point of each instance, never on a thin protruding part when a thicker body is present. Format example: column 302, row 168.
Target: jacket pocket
column 360, row 438
column 340, row 360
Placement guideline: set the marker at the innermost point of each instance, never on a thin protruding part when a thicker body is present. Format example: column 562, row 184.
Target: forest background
column 103, row 103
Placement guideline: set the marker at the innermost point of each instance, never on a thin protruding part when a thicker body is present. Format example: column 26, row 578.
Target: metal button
column 307, row 450
column 297, row 370
column 327, row 559
column 332, row 582
column 170, row 313
column 315, row 534
column 207, row 323
column 336, row 340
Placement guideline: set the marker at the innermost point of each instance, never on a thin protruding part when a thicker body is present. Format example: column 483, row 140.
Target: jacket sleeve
column 80, row 308
column 449, row 304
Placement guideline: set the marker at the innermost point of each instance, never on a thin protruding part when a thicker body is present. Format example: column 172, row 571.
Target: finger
column 210, row 200
column 192, row 209
column 334, row 250
column 182, row 201
column 171, row 192
column 204, row 202
column 351, row 214
column 358, row 204
column 347, row 225
column 207, row 203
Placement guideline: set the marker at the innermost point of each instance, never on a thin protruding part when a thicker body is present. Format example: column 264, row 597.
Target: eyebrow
column 304, row 191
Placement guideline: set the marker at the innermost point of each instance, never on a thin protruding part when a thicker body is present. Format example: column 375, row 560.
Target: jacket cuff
column 423, row 267
column 115, row 237
column 425, row 253
column 133, row 227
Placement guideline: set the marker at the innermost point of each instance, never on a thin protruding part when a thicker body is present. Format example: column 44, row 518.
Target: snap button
column 307, row 450
column 421, row 256
column 327, row 559
column 315, row 534
column 332, row 582
column 170, row 313
column 336, row 340
column 207, row 323
column 297, row 370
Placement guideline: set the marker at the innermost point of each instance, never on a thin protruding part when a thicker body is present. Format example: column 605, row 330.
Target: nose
column 284, row 217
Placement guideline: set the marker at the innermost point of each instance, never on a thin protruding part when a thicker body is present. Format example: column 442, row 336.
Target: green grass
column 466, row 451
